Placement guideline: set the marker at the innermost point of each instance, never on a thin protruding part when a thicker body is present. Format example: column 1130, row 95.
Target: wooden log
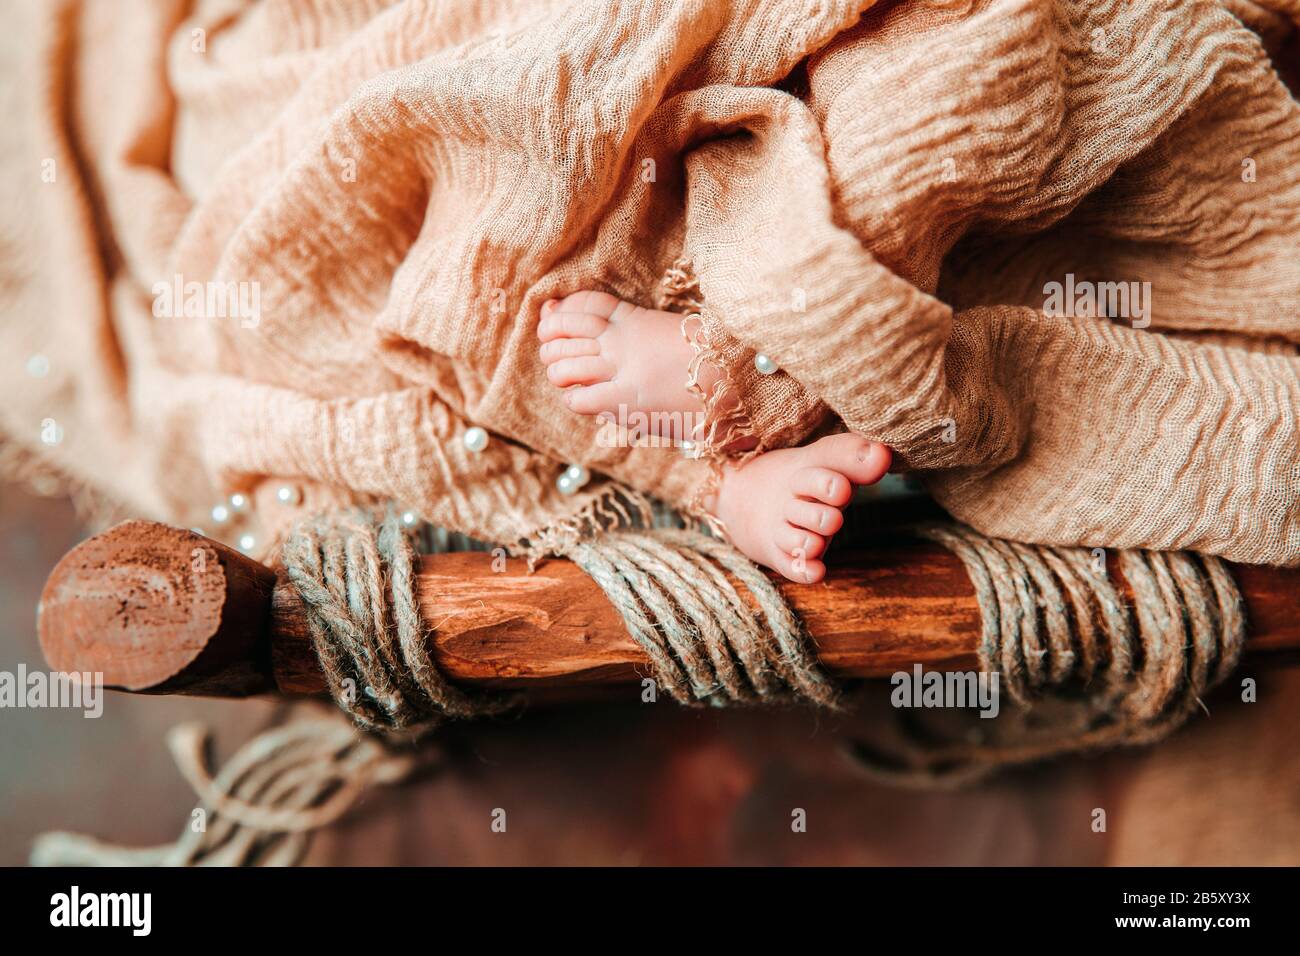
column 160, row 610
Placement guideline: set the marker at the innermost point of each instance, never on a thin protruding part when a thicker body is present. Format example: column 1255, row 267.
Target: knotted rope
column 1085, row 670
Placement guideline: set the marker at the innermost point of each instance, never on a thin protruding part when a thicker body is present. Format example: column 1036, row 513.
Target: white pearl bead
column 38, row 366
column 408, row 518
column 247, row 542
column 238, row 502
column 764, row 364
column 476, row 439
column 566, row 484
column 220, row 514
column 578, row 475
column 288, row 494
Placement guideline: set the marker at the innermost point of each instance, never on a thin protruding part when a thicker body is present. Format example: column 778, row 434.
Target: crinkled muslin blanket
column 1045, row 249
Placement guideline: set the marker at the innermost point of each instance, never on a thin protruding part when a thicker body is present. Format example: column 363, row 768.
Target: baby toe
column 557, row 349
column 813, row 516
column 587, row 370
column 600, row 304
column 799, row 542
column 862, row 461
column 558, row 324
column 798, row 569
column 595, row 399
column 822, row 484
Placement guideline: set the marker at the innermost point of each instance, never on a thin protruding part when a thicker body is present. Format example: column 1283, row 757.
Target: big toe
column 862, row 461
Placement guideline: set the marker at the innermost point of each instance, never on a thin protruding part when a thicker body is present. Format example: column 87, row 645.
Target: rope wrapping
column 705, row 642
column 1083, row 670
column 357, row 582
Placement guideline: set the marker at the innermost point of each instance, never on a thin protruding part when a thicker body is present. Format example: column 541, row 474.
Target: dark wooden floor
column 654, row 784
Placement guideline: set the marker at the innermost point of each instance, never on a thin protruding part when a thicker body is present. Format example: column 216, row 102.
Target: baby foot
column 616, row 359
column 782, row 507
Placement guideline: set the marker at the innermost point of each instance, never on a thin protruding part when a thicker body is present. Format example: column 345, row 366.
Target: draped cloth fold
column 373, row 199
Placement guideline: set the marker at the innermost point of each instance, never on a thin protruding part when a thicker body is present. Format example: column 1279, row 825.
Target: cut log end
column 159, row 609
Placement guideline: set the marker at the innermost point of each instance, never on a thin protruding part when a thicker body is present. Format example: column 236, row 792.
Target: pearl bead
column 247, row 542
column 475, row 439
column 220, row 514
column 408, row 518
column 38, row 366
column 566, row 484
column 238, row 502
column 288, row 495
column 764, row 364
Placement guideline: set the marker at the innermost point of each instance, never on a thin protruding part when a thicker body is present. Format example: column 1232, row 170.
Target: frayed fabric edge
column 613, row 507
column 727, row 422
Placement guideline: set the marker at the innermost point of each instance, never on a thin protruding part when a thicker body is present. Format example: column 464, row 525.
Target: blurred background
column 640, row 784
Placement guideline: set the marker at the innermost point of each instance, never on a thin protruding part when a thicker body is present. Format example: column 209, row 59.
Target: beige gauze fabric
column 986, row 150
column 874, row 195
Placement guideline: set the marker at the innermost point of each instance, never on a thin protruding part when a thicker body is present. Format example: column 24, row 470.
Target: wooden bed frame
column 161, row 610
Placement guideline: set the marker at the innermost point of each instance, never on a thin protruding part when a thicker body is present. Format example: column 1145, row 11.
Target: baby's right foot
column 782, row 508
column 618, row 361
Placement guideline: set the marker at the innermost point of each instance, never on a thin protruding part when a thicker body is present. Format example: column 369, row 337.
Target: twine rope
column 706, row 642
column 1085, row 670
column 263, row 805
column 356, row 578
column 1053, row 626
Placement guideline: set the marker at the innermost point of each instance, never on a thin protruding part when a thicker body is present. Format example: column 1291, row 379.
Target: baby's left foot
column 782, row 508
column 614, row 358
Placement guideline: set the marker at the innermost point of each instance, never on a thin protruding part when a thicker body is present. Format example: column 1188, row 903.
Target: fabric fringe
column 729, row 435
column 614, row 507
column 728, row 425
